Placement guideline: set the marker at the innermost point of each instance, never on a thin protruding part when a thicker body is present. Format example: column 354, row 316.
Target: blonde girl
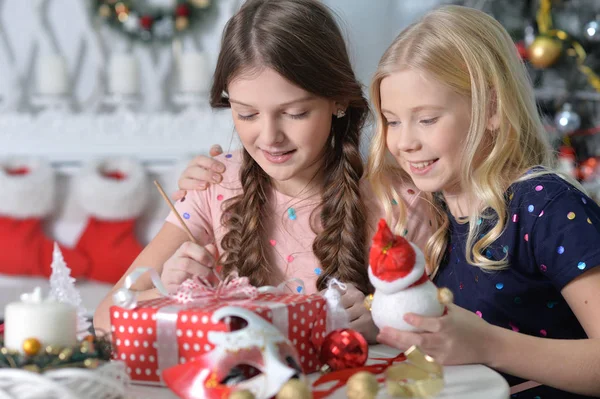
column 518, row 245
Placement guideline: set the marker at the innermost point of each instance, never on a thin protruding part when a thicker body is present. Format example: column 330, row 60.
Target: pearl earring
column 340, row 113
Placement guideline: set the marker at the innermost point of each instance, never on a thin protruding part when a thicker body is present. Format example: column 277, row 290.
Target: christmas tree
column 559, row 41
column 62, row 289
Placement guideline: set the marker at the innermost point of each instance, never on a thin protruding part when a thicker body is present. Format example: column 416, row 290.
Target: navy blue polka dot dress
column 552, row 236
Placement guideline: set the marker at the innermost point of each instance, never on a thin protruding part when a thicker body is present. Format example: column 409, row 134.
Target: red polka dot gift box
column 160, row 333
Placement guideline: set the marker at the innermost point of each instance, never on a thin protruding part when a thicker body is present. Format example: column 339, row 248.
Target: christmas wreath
column 141, row 21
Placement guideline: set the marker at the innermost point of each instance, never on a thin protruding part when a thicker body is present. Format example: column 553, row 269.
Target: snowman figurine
column 397, row 271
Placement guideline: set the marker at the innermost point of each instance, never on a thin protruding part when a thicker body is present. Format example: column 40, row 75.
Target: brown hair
column 300, row 40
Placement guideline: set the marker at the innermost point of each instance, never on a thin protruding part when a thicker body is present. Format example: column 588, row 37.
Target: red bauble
column 344, row 348
column 146, row 22
column 522, row 49
column 182, row 10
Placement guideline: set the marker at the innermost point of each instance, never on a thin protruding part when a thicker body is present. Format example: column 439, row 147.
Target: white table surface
column 461, row 382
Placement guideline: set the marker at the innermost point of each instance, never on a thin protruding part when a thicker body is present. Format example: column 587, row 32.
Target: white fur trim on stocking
column 30, row 194
column 389, row 287
column 108, row 198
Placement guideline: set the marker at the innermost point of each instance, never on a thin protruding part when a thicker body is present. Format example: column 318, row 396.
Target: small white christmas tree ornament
column 62, row 289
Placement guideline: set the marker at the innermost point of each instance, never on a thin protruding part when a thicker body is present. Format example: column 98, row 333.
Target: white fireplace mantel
column 156, row 139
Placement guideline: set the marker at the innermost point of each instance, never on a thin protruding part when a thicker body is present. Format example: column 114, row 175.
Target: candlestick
column 51, row 323
column 123, row 74
column 193, row 72
column 51, row 75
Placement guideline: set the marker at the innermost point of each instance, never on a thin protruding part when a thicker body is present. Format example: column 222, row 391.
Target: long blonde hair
column 472, row 54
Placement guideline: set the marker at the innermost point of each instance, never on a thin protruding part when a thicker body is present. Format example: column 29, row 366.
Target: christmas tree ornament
column 62, row 289
column 200, row 3
column 181, row 23
column 521, row 49
column 294, row 389
column 104, row 11
column 544, row 51
column 31, row 346
column 362, row 385
column 588, row 170
column 218, row 373
column 397, row 271
column 591, row 30
column 567, row 120
column 343, row 349
column 242, row 394
column 567, row 162
column 445, row 296
column 418, row 377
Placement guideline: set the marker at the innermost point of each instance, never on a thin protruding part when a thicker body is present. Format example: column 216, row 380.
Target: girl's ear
column 338, row 109
column 493, row 122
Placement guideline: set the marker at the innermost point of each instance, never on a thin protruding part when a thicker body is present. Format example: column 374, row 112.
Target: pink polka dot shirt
column 290, row 235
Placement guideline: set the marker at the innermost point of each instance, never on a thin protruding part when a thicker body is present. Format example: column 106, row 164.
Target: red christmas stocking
column 114, row 193
column 27, row 196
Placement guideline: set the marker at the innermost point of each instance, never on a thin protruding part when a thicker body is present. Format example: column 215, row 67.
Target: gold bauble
column 368, row 301
column 31, row 346
column 445, row 296
column 294, row 389
column 86, row 347
column 243, row 394
column 104, row 11
column 544, row 51
column 65, row 354
column 362, row 385
column 53, row 350
column 181, row 23
column 91, row 363
column 200, row 3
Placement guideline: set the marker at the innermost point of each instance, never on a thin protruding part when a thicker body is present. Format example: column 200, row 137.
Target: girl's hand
column 360, row 317
column 200, row 172
column 190, row 260
column 458, row 337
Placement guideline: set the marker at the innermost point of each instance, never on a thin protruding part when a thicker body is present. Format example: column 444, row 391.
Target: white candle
column 123, row 74
column 194, row 76
column 50, row 322
column 51, row 74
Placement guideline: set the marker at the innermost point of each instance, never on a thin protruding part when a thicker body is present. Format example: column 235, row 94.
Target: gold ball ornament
column 544, row 51
column 368, row 302
column 104, row 11
column 294, row 389
column 31, row 346
column 362, row 385
column 445, row 296
column 243, row 394
column 53, row 350
column 181, row 23
column 65, row 354
column 200, row 3
column 91, row 363
column 86, row 347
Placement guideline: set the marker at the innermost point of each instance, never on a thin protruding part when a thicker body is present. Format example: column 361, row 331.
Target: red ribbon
column 199, row 289
column 342, row 376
